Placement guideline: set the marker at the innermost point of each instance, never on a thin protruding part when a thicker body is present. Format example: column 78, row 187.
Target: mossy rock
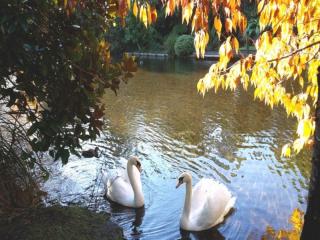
column 57, row 222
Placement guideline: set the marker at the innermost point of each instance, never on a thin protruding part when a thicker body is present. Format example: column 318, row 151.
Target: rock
column 58, row 222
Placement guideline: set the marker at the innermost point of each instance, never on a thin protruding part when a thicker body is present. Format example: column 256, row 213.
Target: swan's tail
column 230, row 205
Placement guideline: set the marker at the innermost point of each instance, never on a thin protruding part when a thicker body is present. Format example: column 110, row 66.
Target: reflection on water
column 210, row 234
column 128, row 217
column 160, row 117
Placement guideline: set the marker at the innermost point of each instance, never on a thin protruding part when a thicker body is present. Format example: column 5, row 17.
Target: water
column 160, row 117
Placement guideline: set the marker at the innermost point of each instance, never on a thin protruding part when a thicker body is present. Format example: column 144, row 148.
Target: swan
column 205, row 205
column 126, row 189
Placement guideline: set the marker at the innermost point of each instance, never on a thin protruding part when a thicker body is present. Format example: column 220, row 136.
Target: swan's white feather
column 210, row 202
column 118, row 188
column 124, row 186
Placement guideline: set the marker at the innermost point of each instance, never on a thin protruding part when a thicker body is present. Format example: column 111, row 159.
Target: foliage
column 284, row 69
column 249, row 8
column 296, row 220
column 138, row 37
column 17, row 185
column 184, row 45
column 172, row 37
column 54, row 67
column 252, row 30
column 214, row 39
column 115, row 35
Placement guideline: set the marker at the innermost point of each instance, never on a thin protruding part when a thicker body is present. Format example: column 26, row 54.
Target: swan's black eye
column 180, row 179
column 138, row 164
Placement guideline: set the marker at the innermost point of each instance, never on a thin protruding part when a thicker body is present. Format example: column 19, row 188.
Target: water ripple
column 160, row 117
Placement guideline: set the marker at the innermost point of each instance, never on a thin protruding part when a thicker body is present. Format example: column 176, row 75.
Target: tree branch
column 294, row 52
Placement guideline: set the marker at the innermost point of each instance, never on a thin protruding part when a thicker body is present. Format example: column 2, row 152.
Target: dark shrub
column 184, row 45
column 172, row 37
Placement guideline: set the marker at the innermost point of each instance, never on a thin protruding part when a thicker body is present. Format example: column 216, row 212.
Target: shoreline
column 57, row 222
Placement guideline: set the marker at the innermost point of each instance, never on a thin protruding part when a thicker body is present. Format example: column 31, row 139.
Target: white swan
column 125, row 188
column 205, row 205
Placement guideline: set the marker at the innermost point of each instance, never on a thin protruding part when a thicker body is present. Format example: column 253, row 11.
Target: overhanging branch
column 294, row 52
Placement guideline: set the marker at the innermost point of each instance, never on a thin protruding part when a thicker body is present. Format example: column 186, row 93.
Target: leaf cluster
column 285, row 68
column 55, row 64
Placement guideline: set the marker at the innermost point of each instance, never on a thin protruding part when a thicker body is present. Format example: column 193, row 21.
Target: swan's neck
column 135, row 180
column 187, row 200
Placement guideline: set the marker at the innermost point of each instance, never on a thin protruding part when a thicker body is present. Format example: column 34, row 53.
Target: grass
column 57, row 222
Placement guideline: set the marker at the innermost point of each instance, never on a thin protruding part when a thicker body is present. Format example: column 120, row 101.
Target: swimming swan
column 126, row 189
column 205, row 205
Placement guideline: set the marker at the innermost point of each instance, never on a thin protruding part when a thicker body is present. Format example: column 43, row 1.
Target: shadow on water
column 132, row 216
column 210, row 234
column 170, row 65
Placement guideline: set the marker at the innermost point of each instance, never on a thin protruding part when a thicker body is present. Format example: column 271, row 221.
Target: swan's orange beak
column 178, row 184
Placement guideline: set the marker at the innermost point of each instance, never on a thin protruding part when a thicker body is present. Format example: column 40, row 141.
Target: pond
column 159, row 117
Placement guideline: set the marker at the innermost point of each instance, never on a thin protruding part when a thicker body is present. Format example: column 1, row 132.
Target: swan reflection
column 130, row 219
column 210, row 234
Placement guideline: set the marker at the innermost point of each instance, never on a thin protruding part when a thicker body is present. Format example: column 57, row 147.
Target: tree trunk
column 311, row 227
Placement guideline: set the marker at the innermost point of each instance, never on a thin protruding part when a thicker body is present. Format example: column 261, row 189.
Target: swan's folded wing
column 209, row 203
column 199, row 196
column 109, row 177
column 120, row 191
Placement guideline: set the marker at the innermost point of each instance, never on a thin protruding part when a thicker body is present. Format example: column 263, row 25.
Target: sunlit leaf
column 154, row 14
column 135, row 9
column 217, row 25
column 143, row 15
column 298, row 145
column 286, row 150
column 297, row 219
column 235, row 44
column 187, row 12
column 228, row 25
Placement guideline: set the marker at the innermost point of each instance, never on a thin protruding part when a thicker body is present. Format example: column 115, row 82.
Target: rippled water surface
column 160, row 117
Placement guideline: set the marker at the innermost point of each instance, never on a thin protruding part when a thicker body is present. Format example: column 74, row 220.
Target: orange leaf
column 235, row 44
column 243, row 24
column 154, row 14
column 217, row 25
column 228, row 25
column 135, row 9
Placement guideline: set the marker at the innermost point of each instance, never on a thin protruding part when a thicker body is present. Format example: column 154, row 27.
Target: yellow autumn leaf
column 298, row 145
column 201, row 87
column 144, row 16
column 260, row 5
column 297, row 219
column 135, row 9
column 201, row 39
column 286, row 150
column 187, row 12
column 305, row 128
